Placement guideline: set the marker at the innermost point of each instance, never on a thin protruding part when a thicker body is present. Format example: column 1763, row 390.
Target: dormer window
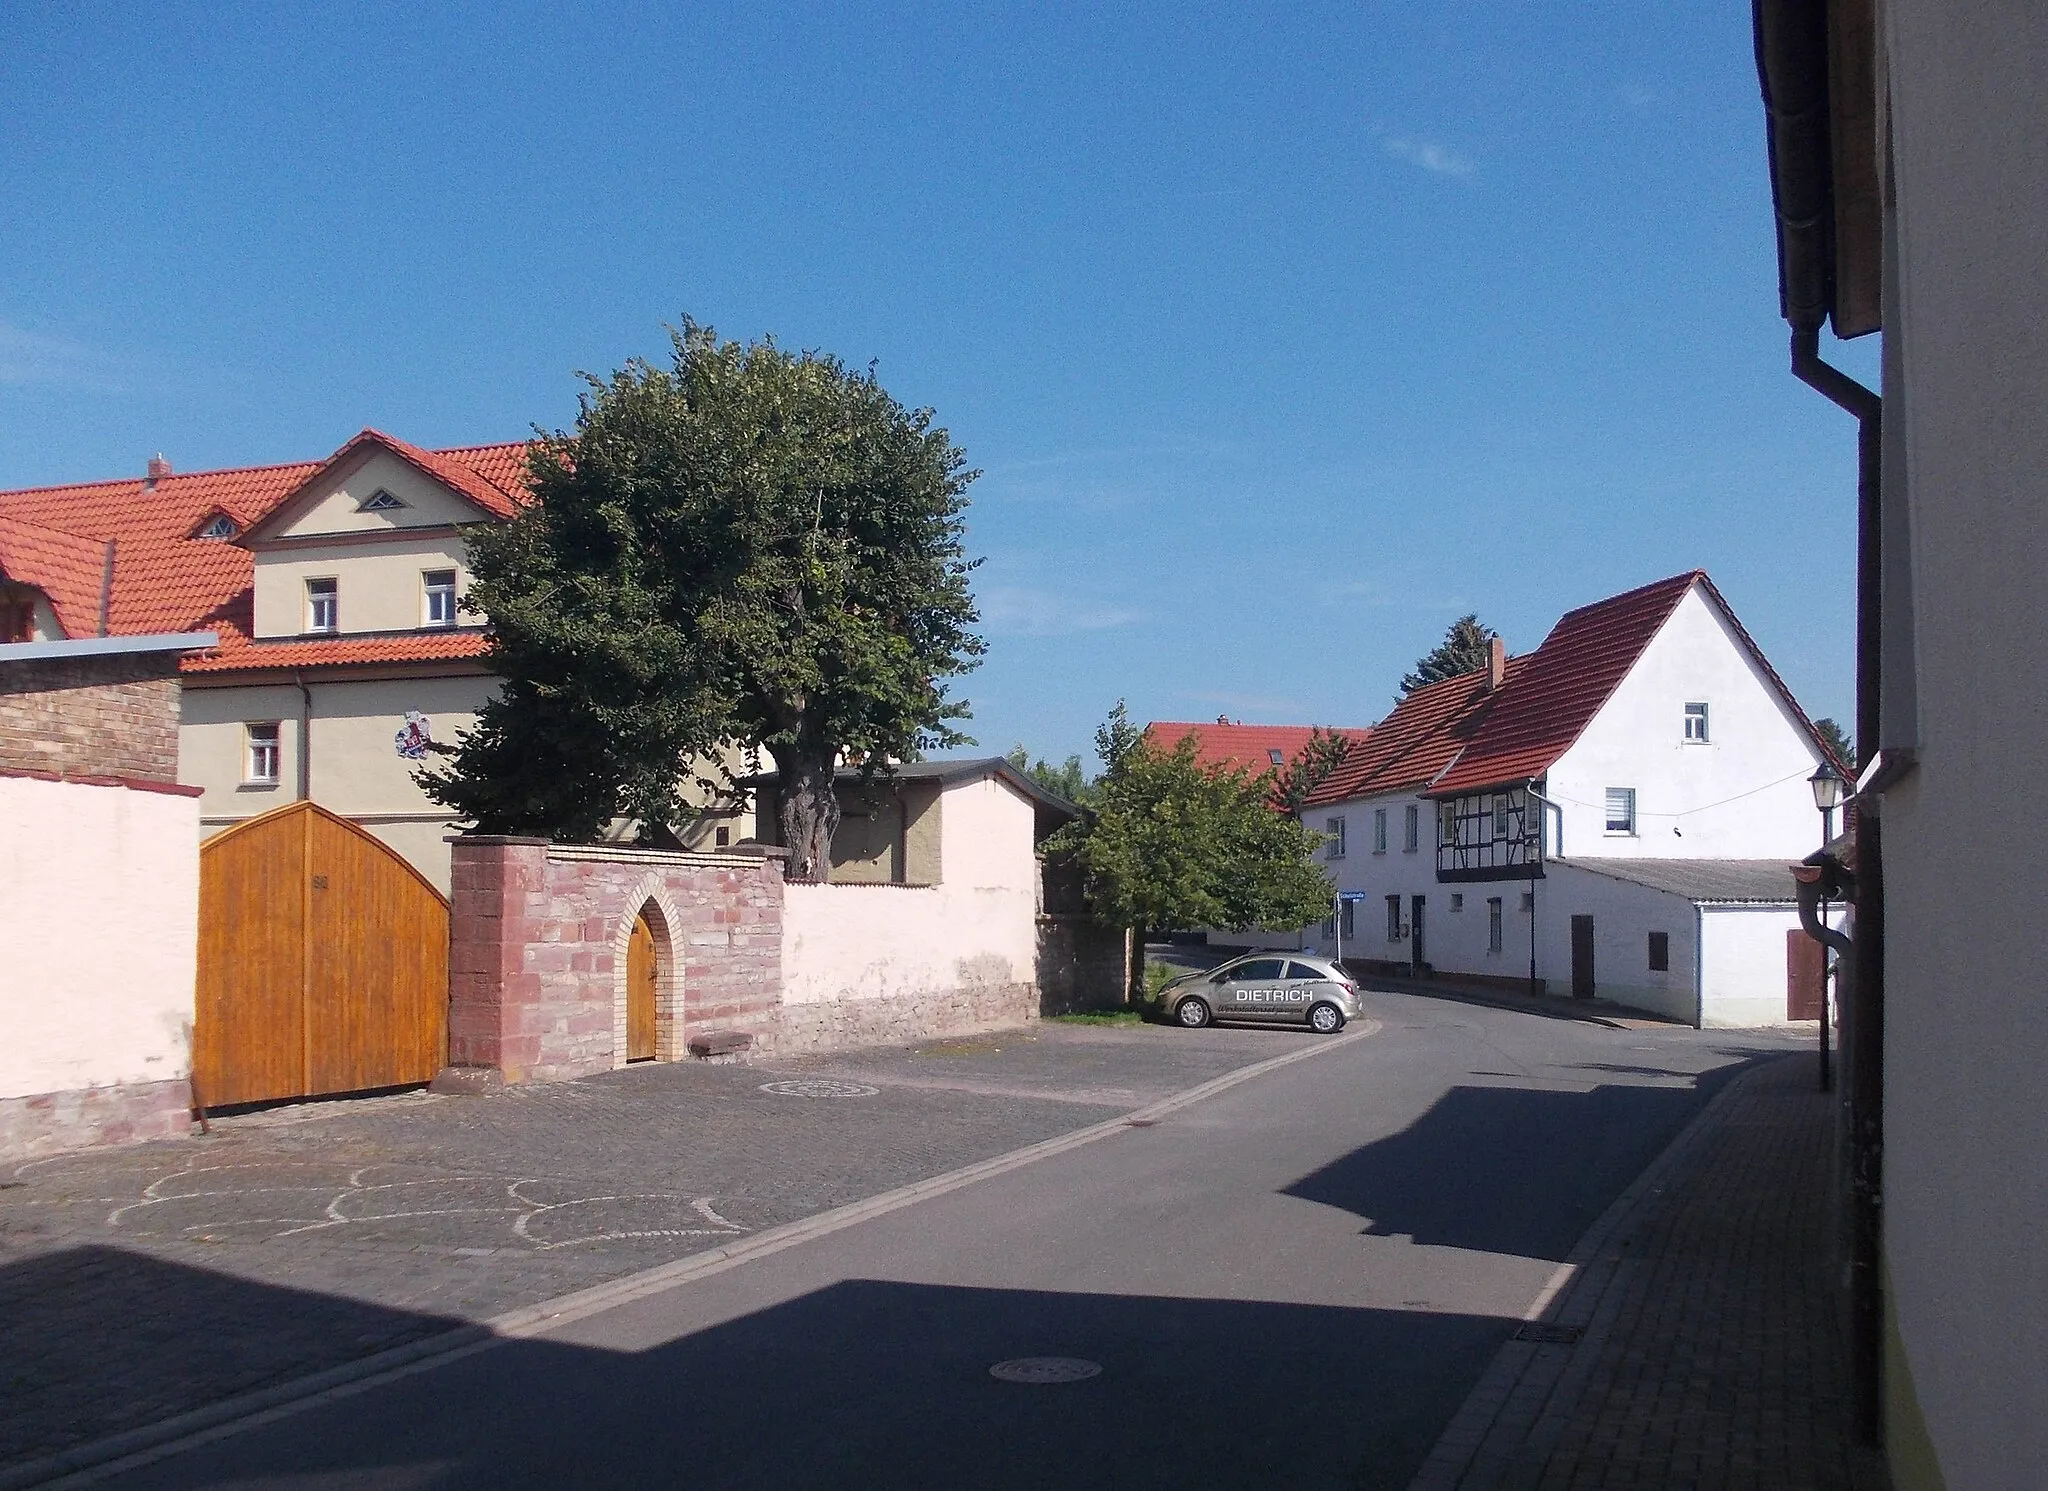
column 379, row 501
column 323, row 606
column 220, row 525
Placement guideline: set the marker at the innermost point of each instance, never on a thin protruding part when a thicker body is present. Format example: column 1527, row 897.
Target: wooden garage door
column 323, row 963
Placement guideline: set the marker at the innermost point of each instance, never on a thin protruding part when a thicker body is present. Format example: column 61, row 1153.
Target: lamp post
column 1826, row 783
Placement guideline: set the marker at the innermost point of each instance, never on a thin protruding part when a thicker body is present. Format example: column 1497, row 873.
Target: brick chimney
column 159, row 468
column 1496, row 665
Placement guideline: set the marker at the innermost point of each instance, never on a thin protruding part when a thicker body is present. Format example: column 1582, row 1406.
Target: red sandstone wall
column 537, row 940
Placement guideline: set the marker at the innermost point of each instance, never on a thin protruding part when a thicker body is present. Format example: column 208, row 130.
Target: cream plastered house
column 336, row 589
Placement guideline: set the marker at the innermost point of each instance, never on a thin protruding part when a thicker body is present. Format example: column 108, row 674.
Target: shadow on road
column 860, row 1384
column 1480, row 1168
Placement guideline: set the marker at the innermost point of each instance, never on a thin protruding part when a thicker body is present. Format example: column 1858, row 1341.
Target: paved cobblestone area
column 1710, row 1359
column 141, row 1282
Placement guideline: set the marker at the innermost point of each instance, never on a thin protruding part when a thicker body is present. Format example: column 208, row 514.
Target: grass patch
column 1099, row 1017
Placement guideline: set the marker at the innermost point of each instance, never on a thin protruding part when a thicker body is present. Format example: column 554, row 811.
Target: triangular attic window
column 379, row 501
column 220, row 525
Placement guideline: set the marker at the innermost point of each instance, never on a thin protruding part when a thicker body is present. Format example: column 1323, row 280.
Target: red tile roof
column 327, row 652
column 1563, row 684
column 66, row 568
column 1454, row 736
column 1423, row 735
column 1230, row 746
column 167, row 581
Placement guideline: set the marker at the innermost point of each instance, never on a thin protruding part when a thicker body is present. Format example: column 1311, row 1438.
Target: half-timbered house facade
column 1490, row 820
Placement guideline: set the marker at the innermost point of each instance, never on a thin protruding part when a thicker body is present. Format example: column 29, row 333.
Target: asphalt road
column 1294, row 1283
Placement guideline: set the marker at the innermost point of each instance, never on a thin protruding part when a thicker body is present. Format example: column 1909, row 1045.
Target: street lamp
column 1826, row 783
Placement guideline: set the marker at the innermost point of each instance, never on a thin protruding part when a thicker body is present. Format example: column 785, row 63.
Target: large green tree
column 1463, row 650
column 1173, row 844
column 747, row 545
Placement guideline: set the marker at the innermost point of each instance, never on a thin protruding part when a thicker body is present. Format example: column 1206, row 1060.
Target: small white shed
column 1712, row 942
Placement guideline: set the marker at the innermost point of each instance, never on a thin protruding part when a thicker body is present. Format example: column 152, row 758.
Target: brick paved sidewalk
column 1711, row 1356
column 145, row 1282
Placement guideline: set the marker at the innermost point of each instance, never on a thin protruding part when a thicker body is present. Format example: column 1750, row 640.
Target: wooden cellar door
column 642, row 975
column 1805, row 976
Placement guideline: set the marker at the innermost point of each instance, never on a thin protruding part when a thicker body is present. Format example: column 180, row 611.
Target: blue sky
column 1282, row 335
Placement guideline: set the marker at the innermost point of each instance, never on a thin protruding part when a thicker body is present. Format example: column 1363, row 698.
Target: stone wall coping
column 86, row 779
column 631, row 855
column 491, row 839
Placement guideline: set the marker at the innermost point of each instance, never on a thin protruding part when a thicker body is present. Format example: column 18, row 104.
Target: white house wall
column 1746, row 962
column 1966, row 1023
column 1396, row 872
column 1741, row 795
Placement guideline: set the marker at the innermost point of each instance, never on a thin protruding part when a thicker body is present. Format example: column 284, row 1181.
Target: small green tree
column 1463, row 650
column 748, row 545
column 1837, row 741
column 1171, row 844
column 1068, row 779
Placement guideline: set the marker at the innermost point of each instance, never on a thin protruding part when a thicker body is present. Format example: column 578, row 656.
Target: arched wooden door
column 323, row 962
column 643, row 973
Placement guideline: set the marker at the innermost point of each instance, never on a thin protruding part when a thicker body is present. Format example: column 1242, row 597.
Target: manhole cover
column 1040, row 1371
column 1546, row 1334
column 819, row 1087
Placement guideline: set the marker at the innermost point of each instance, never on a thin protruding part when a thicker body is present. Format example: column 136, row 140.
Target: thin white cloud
column 31, row 357
column 1021, row 611
column 1431, row 156
column 1636, row 96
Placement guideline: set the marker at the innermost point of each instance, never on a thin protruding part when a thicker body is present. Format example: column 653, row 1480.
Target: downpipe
column 1863, row 1010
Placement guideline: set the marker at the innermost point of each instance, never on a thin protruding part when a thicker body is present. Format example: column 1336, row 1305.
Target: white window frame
column 1411, row 829
column 1457, row 900
column 1379, row 830
column 261, row 750
column 382, row 501
column 432, row 589
column 1625, row 797
column 331, row 595
column 1333, row 829
column 1495, row 924
column 1696, row 710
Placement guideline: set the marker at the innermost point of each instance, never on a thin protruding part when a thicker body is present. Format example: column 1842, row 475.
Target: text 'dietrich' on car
column 1266, row 989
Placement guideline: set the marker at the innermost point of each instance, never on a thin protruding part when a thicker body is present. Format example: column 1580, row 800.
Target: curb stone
column 88, row 1464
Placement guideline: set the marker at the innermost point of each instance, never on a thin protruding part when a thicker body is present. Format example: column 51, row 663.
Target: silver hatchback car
column 1269, row 988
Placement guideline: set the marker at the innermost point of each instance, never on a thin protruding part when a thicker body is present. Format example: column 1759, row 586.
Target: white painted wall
column 978, row 927
column 1966, row 1022
column 1742, row 795
column 99, row 919
column 1396, row 872
column 1747, row 963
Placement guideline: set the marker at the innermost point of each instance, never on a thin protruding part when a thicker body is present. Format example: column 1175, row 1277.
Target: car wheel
column 1192, row 1013
column 1326, row 1019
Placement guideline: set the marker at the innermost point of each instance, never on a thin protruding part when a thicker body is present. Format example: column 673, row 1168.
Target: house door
column 642, row 973
column 1582, row 957
column 1805, row 976
column 1415, row 948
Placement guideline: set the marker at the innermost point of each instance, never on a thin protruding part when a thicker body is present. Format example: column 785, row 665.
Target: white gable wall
column 1398, row 871
column 377, row 568
column 1741, row 795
